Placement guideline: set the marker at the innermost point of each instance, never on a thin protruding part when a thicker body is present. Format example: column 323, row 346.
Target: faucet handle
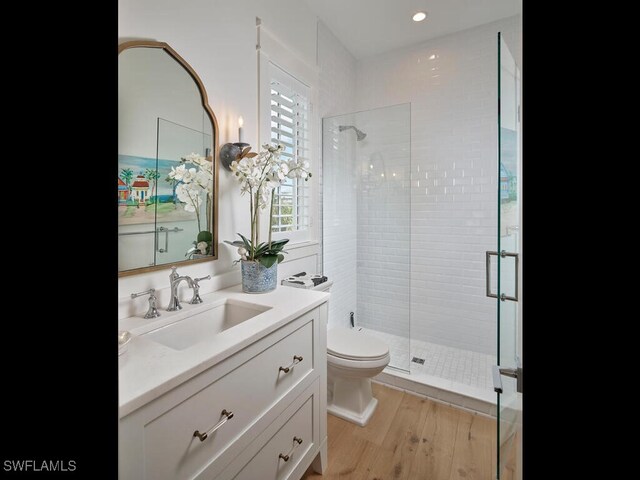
column 174, row 272
column 196, row 289
column 152, row 312
column 196, row 280
column 151, row 292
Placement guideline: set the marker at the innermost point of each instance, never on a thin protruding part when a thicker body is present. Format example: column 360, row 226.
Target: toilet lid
column 351, row 344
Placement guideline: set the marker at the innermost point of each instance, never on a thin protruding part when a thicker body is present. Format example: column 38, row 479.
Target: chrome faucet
column 175, row 279
column 152, row 312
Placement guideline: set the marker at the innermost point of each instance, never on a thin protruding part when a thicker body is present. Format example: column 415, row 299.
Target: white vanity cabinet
column 268, row 402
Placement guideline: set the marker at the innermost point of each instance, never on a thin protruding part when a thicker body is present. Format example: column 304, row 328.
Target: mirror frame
column 216, row 134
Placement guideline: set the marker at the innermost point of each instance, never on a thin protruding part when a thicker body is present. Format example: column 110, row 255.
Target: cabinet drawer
column 171, row 450
column 284, row 451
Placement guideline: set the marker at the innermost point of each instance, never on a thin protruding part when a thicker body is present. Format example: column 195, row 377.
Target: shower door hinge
column 507, row 372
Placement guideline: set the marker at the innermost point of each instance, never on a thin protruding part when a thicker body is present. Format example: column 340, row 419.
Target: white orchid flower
column 202, row 246
column 177, row 172
column 189, row 196
column 194, row 158
column 203, row 179
column 189, row 175
column 266, row 171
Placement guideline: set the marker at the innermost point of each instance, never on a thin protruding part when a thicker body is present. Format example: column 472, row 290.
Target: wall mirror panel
column 167, row 161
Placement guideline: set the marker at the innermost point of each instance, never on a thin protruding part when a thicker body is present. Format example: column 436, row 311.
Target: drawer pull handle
column 296, row 359
column 203, row 436
column 287, row 456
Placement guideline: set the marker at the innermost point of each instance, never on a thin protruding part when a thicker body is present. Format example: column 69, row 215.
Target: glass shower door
column 508, row 372
column 366, row 198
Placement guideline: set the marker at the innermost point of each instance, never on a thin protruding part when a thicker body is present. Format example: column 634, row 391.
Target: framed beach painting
column 146, row 194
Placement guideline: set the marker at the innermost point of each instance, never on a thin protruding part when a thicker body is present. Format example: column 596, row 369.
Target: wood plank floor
column 411, row 437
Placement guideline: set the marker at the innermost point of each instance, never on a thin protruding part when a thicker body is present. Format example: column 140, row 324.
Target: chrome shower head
column 360, row 135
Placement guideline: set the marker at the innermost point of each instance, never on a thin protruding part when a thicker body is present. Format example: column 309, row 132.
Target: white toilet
column 353, row 358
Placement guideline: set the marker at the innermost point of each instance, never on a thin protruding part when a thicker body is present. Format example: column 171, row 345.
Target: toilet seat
column 359, row 364
column 352, row 346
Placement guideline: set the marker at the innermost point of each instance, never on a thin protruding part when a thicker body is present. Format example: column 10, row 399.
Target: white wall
column 451, row 82
column 218, row 39
column 337, row 79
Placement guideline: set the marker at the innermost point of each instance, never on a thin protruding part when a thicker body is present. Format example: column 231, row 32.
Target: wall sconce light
column 230, row 151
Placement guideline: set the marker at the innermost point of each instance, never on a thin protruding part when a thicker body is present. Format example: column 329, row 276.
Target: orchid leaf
column 235, row 243
column 205, row 236
column 247, row 243
column 268, row 260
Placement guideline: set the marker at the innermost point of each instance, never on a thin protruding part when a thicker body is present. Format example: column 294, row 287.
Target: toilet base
column 352, row 400
column 353, row 417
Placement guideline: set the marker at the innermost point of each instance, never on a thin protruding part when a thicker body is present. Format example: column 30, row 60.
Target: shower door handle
column 488, row 274
column 503, row 254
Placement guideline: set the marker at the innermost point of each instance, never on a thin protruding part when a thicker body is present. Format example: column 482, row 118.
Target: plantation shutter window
column 290, row 128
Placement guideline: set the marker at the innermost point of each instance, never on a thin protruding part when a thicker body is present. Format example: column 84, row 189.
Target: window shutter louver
column 290, row 128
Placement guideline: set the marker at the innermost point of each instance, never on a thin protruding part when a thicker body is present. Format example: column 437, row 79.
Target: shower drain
column 418, row 360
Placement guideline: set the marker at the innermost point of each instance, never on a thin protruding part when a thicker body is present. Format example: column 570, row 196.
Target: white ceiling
column 369, row 27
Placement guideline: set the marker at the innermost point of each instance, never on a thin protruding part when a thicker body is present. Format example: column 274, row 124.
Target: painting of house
column 123, row 191
column 146, row 194
column 140, row 189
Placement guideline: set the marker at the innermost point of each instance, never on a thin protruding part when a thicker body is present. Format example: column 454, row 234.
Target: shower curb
column 402, row 381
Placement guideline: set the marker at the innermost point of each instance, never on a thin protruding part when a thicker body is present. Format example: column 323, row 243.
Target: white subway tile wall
column 383, row 163
column 451, row 83
column 337, row 196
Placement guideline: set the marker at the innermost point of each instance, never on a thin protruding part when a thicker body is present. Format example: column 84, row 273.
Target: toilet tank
column 324, row 287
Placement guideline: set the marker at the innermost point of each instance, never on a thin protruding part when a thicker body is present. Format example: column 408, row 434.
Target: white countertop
column 148, row 369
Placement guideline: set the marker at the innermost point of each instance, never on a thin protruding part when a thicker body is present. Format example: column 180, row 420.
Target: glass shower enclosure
column 366, row 223
column 509, row 351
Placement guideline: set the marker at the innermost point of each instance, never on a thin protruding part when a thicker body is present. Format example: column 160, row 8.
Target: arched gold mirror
column 167, row 161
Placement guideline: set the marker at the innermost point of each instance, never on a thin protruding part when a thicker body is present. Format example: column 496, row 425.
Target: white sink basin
column 205, row 325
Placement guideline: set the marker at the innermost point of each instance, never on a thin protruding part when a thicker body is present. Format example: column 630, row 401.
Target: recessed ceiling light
column 420, row 16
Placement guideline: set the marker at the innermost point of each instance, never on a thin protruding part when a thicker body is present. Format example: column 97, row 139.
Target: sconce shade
column 229, row 152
